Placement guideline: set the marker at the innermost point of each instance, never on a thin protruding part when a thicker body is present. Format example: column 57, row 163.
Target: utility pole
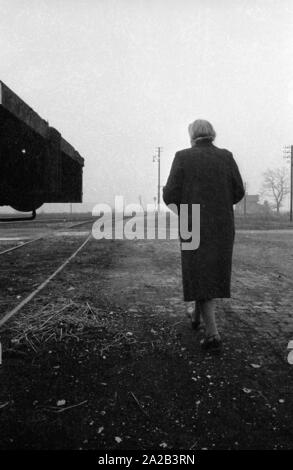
column 288, row 155
column 157, row 158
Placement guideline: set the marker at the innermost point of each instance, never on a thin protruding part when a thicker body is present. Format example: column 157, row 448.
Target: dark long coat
column 209, row 176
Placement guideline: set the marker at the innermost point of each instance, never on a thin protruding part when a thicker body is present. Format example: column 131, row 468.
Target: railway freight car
column 36, row 164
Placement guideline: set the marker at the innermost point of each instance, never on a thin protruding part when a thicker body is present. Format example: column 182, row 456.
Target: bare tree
column 276, row 185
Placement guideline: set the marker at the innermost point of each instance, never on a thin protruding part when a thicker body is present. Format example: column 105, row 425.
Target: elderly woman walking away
column 209, row 176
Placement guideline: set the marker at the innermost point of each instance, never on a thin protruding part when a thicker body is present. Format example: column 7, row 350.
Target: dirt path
column 141, row 381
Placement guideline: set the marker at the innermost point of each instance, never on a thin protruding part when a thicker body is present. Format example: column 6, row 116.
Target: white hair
column 201, row 129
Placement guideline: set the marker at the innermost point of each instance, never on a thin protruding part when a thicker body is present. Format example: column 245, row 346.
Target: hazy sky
column 119, row 77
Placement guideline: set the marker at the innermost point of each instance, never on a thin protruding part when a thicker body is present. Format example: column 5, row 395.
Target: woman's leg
column 208, row 308
column 194, row 313
column 190, row 309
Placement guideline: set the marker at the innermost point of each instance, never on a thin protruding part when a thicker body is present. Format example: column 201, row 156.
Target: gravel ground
column 127, row 371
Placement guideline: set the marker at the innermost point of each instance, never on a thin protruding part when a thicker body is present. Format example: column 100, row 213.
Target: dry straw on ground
column 66, row 321
column 40, row 326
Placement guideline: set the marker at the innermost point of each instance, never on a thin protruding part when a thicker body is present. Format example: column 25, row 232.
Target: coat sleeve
column 238, row 190
column 172, row 190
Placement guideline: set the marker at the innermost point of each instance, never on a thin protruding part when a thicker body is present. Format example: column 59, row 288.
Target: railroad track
column 22, row 245
column 16, row 309
column 9, row 314
column 41, row 286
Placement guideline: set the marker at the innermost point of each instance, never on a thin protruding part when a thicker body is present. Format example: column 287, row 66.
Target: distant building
column 253, row 206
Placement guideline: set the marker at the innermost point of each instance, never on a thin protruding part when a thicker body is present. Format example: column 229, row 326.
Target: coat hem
column 196, row 298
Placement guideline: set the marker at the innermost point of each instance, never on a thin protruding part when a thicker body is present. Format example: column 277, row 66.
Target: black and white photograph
column 146, row 228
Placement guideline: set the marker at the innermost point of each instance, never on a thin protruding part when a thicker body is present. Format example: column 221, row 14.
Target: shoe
column 211, row 343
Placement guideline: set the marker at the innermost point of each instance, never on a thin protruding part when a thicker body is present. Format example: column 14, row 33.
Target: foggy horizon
column 119, row 78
